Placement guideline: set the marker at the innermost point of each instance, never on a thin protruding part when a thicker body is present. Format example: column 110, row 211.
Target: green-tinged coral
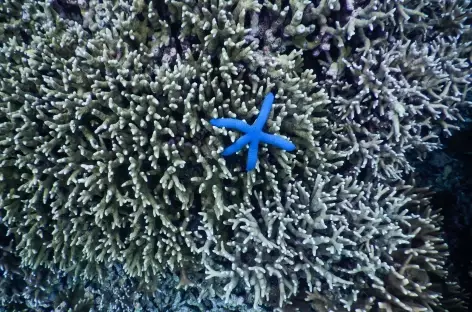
column 108, row 158
column 109, row 137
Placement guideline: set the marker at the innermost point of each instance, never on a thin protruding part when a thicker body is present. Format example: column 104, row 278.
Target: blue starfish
column 254, row 134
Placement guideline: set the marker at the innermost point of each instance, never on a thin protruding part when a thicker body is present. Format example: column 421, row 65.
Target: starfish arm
column 265, row 110
column 277, row 141
column 231, row 123
column 252, row 155
column 236, row 146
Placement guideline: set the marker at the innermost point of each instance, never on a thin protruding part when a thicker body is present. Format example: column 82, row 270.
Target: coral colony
column 113, row 116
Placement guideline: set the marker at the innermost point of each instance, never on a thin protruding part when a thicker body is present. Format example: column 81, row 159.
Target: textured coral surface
column 108, row 158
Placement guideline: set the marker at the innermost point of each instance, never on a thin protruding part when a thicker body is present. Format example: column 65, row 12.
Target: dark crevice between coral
column 140, row 17
column 120, row 176
column 453, row 195
column 174, row 33
column 161, row 9
column 290, row 49
column 376, row 33
column 311, row 61
column 342, row 16
column 247, row 18
column 195, row 217
column 25, row 37
column 67, row 10
column 288, row 17
column 235, row 161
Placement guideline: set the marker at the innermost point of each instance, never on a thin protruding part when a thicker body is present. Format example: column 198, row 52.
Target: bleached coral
column 350, row 242
column 397, row 99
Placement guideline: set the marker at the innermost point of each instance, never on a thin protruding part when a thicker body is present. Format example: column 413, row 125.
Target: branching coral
column 403, row 65
column 356, row 244
column 108, row 156
column 397, row 99
column 111, row 139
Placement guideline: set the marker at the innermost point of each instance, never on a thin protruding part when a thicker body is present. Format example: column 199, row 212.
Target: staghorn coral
column 355, row 244
column 397, row 99
column 113, row 156
column 401, row 87
column 118, row 292
column 24, row 289
column 108, row 156
column 371, row 55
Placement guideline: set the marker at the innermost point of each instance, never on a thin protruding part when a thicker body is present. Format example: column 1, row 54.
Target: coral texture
column 108, row 156
column 107, row 130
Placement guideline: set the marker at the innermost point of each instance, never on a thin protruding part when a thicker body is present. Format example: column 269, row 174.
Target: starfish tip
column 226, row 153
column 249, row 168
column 291, row 147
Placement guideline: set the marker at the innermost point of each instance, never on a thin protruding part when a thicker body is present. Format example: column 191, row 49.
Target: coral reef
column 353, row 243
column 118, row 152
column 23, row 289
column 400, row 98
column 108, row 158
